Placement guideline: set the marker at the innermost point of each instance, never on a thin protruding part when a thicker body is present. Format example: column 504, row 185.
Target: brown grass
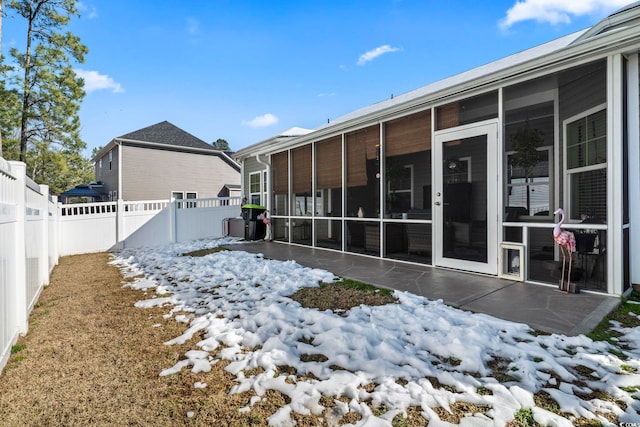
column 341, row 296
column 93, row 359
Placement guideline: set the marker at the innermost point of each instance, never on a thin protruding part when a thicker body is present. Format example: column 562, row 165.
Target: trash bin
column 254, row 228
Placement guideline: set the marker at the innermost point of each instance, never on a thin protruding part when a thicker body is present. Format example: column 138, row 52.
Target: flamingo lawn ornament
column 567, row 242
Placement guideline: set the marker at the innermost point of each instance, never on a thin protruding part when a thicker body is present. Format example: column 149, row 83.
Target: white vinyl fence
column 35, row 231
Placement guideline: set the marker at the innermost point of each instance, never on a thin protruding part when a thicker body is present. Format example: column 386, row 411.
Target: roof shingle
column 168, row 134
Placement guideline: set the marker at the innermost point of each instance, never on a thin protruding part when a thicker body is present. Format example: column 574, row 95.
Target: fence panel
column 8, row 296
column 86, row 228
column 34, row 242
column 146, row 223
column 203, row 218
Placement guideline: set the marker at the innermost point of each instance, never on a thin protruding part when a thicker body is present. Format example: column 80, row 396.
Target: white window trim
column 568, row 172
column 261, row 186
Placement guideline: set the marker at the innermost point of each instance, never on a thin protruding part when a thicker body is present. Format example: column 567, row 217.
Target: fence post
column 43, row 264
column 173, row 223
column 19, row 171
column 120, row 224
column 55, row 234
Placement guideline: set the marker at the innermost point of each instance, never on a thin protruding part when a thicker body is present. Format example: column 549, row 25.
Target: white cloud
column 193, row 26
column 88, row 11
column 261, row 121
column 93, row 81
column 556, row 11
column 374, row 53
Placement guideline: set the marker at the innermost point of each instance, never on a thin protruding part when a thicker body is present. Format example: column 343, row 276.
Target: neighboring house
column 466, row 173
column 163, row 161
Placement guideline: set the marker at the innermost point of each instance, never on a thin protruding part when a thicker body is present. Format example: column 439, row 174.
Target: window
column 255, row 188
column 110, row 158
column 400, row 187
column 363, row 172
column 529, row 137
column 301, row 181
column 529, row 188
column 280, row 183
column 328, row 158
column 586, row 164
column 191, row 196
column 407, row 167
column 180, row 195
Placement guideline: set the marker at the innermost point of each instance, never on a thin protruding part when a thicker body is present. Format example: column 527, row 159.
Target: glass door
column 465, row 198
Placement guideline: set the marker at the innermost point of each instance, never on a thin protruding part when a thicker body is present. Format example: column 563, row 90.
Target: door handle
column 437, row 203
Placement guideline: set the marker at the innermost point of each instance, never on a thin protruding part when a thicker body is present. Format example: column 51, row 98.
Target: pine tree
column 221, row 144
column 50, row 91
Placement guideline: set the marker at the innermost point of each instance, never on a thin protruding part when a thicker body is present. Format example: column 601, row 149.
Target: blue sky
column 247, row 70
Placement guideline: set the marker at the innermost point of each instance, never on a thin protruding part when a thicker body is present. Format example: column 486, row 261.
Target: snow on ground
column 240, row 302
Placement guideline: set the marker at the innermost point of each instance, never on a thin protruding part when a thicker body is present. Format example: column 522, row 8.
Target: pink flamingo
column 567, row 242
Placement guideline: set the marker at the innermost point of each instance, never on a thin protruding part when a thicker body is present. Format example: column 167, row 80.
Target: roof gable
column 168, row 134
column 628, row 15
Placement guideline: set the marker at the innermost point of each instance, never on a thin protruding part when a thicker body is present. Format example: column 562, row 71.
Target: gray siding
column 108, row 174
column 251, row 165
column 151, row 174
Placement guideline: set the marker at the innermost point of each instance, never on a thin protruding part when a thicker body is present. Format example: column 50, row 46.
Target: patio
column 542, row 307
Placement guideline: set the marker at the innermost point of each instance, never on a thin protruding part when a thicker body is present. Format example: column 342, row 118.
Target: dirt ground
column 92, row 359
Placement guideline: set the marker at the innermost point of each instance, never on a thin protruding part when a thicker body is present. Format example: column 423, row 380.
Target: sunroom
column 466, row 173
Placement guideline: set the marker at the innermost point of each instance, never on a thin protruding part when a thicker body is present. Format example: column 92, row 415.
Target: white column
column 633, row 135
column 615, row 135
column 382, row 194
column 343, row 147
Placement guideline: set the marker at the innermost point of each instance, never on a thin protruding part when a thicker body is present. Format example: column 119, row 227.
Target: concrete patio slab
column 541, row 307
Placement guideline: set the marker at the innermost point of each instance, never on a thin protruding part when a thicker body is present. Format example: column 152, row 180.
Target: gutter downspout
column 268, row 183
